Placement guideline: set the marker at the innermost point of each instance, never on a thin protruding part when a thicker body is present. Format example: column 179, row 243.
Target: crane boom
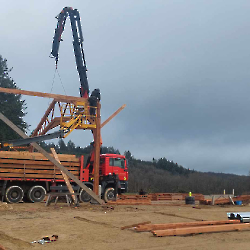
column 77, row 44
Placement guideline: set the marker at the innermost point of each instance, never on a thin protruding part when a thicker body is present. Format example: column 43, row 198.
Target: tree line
column 70, row 148
column 161, row 175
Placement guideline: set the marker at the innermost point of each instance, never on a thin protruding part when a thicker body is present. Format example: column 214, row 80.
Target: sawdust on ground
column 98, row 227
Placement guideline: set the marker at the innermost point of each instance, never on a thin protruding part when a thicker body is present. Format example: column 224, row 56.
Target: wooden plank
column 176, row 197
column 241, row 198
column 50, row 158
column 34, row 171
column 130, row 202
column 145, row 228
column 97, row 145
column 65, row 177
column 33, row 175
column 33, row 166
column 135, row 225
column 37, row 163
column 36, row 156
column 41, row 94
column 203, row 229
column 113, row 115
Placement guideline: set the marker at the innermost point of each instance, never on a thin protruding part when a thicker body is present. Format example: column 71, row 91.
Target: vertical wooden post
column 97, row 144
column 66, row 179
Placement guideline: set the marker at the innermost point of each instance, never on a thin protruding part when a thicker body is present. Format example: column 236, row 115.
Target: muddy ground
column 98, row 227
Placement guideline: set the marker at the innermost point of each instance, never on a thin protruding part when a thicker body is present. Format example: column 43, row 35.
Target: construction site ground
column 99, row 227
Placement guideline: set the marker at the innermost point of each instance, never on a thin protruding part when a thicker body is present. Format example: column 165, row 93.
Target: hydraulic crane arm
column 14, row 143
column 77, row 44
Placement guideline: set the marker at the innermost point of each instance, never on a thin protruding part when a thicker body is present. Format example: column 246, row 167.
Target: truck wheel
column 109, row 194
column 14, row 194
column 36, row 193
column 84, row 196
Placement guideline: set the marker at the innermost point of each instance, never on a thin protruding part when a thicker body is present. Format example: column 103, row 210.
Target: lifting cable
column 53, row 81
column 52, row 85
column 61, row 81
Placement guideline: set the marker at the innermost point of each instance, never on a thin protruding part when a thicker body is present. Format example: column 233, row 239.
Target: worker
column 93, row 99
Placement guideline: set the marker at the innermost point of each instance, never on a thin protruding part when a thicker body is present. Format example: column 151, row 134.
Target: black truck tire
column 109, row 194
column 84, row 196
column 14, row 194
column 36, row 194
column 190, row 200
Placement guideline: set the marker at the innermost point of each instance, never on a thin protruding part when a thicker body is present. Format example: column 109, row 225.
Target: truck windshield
column 117, row 162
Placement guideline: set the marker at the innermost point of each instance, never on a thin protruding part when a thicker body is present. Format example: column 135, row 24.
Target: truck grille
column 123, row 184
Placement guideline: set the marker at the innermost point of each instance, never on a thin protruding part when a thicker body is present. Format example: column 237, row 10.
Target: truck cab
column 113, row 173
column 114, row 164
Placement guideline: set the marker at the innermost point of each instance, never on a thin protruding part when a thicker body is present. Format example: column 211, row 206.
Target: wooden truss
column 68, row 115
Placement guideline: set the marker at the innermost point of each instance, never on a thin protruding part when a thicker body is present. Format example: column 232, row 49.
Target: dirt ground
column 98, row 227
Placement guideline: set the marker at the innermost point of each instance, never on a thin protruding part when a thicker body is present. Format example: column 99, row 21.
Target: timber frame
column 74, row 114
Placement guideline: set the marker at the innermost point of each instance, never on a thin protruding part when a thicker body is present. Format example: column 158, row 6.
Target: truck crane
column 29, row 175
column 81, row 66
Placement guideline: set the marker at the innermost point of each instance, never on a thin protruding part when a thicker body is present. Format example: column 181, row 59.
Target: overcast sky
column 181, row 66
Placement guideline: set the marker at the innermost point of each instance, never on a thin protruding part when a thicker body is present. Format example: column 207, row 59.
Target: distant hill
column 164, row 176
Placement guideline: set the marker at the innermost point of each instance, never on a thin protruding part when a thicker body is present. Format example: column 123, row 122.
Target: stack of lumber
column 147, row 198
column 226, row 200
column 25, row 165
column 174, row 196
column 195, row 227
column 134, row 197
column 131, row 200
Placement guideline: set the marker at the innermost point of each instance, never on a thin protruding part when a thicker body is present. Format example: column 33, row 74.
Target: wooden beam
column 50, row 158
column 65, row 177
column 145, row 228
column 203, row 229
column 97, row 145
column 63, row 98
column 113, row 115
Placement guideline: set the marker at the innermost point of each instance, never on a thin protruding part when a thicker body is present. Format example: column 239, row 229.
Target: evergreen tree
column 62, row 146
column 10, row 105
column 71, row 147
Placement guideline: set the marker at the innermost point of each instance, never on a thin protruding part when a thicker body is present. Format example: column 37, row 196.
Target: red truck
column 30, row 175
